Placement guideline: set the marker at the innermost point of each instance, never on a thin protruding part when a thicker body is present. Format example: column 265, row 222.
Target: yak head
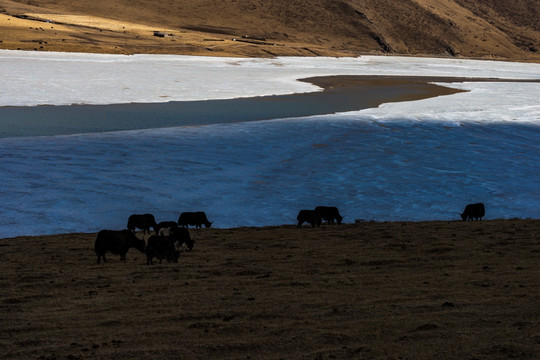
column 208, row 224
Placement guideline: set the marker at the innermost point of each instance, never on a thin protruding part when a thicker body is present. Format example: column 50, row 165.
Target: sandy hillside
column 479, row 29
column 404, row 290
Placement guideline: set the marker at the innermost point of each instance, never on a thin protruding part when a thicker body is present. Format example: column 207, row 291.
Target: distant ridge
column 483, row 29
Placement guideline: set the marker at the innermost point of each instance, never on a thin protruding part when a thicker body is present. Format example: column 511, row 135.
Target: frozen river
column 418, row 160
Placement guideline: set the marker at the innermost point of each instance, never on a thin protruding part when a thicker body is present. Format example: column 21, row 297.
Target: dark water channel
column 76, row 119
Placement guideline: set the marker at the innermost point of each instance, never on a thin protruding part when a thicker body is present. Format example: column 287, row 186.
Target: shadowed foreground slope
column 448, row 290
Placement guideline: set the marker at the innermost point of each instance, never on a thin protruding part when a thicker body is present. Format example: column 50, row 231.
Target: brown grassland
column 370, row 290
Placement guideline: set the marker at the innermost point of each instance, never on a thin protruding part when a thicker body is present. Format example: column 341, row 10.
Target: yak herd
column 170, row 236
column 166, row 243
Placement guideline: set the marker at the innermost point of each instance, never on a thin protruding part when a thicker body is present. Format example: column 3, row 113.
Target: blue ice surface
column 261, row 173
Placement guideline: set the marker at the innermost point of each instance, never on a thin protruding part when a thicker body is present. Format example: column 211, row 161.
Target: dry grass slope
column 404, row 290
column 479, row 29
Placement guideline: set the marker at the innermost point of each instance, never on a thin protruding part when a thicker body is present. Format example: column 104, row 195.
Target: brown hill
column 490, row 29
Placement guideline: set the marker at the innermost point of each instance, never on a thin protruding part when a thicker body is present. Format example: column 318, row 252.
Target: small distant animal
column 117, row 242
column 329, row 214
column 310, row 216
column 162, row 248
column 473, row 211
column 142, row 221
column 197, row 219
column 164, row 225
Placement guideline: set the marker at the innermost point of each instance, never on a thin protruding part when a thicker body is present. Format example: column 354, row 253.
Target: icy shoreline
column 31, row 78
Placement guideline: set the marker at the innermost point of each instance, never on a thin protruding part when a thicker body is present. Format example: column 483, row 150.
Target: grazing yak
column 164, row 225
column 142, row 221
column 329, row 214
column 197, row 218
column 117, row 242
column 473, row 211
column 179, row 236
column 160, row 247
column 310, row 216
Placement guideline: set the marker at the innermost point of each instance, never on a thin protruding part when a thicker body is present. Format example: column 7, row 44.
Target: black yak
column 164, row 225
column 473, row 211
column 179, row 236
column 197, row 218
column 117, row 242
column 310, row 216
column 142, row 221
column 329, row 214
column 160, row 247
